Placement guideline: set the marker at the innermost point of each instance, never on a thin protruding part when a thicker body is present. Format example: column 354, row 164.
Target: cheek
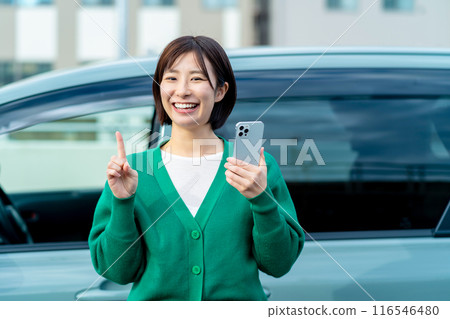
column 164, row 90
column 165, row 99
column 207, row 93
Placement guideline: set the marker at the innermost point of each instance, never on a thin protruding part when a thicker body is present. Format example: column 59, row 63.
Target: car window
column 362, row 161
column 68, row 154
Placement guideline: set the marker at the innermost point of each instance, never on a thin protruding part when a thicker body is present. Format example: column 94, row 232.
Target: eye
column 198, row 79
column 170, row 78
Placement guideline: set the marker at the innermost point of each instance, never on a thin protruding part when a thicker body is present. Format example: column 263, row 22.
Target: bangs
column 195, row 49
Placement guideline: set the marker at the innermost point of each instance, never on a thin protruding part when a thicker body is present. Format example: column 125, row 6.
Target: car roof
column 243, row 59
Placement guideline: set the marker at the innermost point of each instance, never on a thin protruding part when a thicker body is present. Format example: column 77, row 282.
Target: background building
column 40, row 35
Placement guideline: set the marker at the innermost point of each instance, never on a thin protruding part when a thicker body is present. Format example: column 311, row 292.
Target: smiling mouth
column 185, row 106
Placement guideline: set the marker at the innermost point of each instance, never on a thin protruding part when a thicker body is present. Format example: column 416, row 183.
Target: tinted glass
column 48, row 156
column 359, row 149
column 97, row 2
column 158, row 2
column 33, row 2
column 219, row 4
column 6, row 73
column 401, row 5
column 342, row 4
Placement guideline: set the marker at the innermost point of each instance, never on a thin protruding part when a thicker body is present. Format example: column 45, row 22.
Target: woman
column 199, row 226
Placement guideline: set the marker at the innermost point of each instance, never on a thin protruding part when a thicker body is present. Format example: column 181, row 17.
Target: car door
column 53, row 170
column 365, row 155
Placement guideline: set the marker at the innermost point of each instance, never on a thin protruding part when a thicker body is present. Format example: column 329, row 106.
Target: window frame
column 115, row 89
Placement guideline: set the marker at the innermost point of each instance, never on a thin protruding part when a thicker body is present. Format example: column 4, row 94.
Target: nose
column 182, row 89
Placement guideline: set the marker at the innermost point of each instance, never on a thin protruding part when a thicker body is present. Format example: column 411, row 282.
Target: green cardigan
column 212, row 256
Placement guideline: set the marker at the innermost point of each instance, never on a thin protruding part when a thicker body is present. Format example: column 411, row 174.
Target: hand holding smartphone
column 248, row 142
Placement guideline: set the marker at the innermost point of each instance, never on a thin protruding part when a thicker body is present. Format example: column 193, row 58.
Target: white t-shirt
column 192, row 176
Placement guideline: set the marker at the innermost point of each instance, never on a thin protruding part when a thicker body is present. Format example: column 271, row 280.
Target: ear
column 220, row 92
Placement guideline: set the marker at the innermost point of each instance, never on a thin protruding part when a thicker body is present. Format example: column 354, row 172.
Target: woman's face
column 186, row 94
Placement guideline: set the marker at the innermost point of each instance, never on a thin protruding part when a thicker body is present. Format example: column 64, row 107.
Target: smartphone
column 248, row 142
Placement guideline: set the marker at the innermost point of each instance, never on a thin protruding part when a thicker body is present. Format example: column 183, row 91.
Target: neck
column 193, row 142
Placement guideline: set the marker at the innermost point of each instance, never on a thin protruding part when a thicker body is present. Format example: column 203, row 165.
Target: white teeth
column 184, row 106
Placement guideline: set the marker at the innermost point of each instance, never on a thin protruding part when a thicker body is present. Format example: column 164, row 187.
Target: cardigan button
column 195, row 234
column 196, row 270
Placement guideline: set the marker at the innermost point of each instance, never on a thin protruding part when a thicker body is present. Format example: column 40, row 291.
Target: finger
column 127, row 168
column 243, row 183
column 262, row 158
column 132, row 172
column 233, row 183
column 241, row 171
column 115, row 166
column 241, row 163
column 112, row 173
column 117, row 160
column 234, row 160
column 120, row 145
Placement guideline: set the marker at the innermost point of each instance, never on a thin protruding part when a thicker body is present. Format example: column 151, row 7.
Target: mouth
column 185, row 107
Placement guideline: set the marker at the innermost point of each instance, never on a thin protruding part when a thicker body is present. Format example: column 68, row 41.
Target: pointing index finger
column 120, row 145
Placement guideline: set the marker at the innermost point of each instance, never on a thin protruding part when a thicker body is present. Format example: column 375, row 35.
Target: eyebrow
column 196, row 71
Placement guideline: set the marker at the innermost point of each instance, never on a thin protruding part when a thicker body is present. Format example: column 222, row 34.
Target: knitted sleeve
column 114, row 241
column 278, row 238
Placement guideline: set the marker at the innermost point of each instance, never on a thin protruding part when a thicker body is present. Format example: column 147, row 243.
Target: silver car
column 362, row 137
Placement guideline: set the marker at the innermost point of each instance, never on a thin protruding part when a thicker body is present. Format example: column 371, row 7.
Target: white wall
column 232, row 28
column 36, row 30
column 310, row 23
column 156, row 28
column 96, row 34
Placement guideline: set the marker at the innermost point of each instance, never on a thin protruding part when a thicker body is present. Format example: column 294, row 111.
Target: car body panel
column 45, row 275
column 359, row 270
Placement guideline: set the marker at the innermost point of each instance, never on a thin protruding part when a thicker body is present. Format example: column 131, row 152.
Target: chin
column 190, row 123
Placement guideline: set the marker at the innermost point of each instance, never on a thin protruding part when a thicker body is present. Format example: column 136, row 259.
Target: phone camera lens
column 240, row 133
column 246, row 130
column 241, row 128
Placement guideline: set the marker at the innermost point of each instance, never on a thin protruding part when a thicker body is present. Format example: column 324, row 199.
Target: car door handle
column 107, row 290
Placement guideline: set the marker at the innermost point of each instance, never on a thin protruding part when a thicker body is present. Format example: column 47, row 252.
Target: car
column 361, row 135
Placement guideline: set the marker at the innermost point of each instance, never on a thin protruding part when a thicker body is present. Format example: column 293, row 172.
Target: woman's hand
column 122, row 179
column 248, row 179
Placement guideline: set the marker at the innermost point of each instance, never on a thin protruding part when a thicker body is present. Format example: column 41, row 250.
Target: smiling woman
column 168, row 229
